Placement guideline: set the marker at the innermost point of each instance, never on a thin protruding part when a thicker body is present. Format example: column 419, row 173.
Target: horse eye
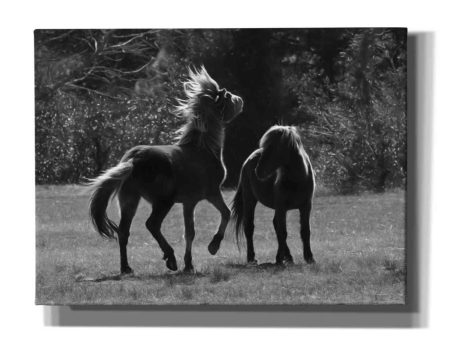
column 219, row 98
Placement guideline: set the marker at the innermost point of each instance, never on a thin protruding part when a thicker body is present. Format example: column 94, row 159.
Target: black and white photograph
column 220, row 166
column 208, row 169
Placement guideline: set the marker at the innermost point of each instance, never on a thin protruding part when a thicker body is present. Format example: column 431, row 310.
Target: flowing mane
column 202, row 129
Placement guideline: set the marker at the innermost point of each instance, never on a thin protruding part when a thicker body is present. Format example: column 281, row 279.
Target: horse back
column 262, row 190
column 153, row 173
column 174, row 172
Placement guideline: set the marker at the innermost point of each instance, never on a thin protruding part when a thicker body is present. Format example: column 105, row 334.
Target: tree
column 100, row 92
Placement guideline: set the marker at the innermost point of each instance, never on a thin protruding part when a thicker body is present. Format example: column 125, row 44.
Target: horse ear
column 186, row 86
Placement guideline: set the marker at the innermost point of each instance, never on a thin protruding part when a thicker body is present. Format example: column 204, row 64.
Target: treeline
column 100, row 92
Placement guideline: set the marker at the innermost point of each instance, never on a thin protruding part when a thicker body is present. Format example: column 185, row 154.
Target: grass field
column 358, row 243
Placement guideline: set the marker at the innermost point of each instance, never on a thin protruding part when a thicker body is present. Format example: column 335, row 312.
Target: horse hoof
column 310, row 260
column 214, row 246
column 126, row 271
column 171, row 264
column 188, row 269
column 252, row 262
column 288, row 262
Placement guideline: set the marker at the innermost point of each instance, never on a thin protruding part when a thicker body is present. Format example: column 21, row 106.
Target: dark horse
column 187, row 172
column 280, row 176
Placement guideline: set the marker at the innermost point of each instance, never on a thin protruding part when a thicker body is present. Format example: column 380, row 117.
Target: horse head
column 277, row 145
column 206, row 101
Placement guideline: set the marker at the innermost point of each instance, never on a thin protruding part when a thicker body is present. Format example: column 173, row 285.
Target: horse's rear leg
column 153, row 224
column 279, row 223
column 305, row 232
column 219, row 203
column 128, row 202
column 189, row 234
column 249, row 202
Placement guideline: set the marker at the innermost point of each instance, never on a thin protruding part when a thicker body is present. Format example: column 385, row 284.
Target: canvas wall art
column 220, row 166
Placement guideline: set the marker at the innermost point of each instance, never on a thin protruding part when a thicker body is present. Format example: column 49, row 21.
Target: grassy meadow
column 358, row 243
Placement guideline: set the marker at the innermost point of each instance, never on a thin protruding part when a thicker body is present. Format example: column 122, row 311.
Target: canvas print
column 220, row 166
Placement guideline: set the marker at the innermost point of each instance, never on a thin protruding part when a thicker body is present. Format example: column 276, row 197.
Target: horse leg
column 249, row 224
column 279, row 222
column 153, row 224
column 189, row 234
column 219, row 204
column 305, row 232
column 128, row 202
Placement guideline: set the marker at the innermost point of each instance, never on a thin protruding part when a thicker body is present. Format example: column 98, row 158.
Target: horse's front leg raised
column 189, row 234
column 219, row 203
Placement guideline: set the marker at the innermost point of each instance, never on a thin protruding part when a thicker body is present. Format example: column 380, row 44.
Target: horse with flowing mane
column 279, row 175
column 187, row 172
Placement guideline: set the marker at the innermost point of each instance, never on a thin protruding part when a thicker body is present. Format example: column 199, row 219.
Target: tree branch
column 71, row 85
column 119, row 45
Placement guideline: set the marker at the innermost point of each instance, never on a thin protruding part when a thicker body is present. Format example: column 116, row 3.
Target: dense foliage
column 100, row 92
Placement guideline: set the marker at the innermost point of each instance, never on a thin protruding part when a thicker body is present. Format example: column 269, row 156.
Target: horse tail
column 237, row 213
column 106, row 186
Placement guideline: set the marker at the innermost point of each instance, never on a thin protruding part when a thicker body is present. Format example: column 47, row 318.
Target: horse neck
column 297, row 168
column 209, row 136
